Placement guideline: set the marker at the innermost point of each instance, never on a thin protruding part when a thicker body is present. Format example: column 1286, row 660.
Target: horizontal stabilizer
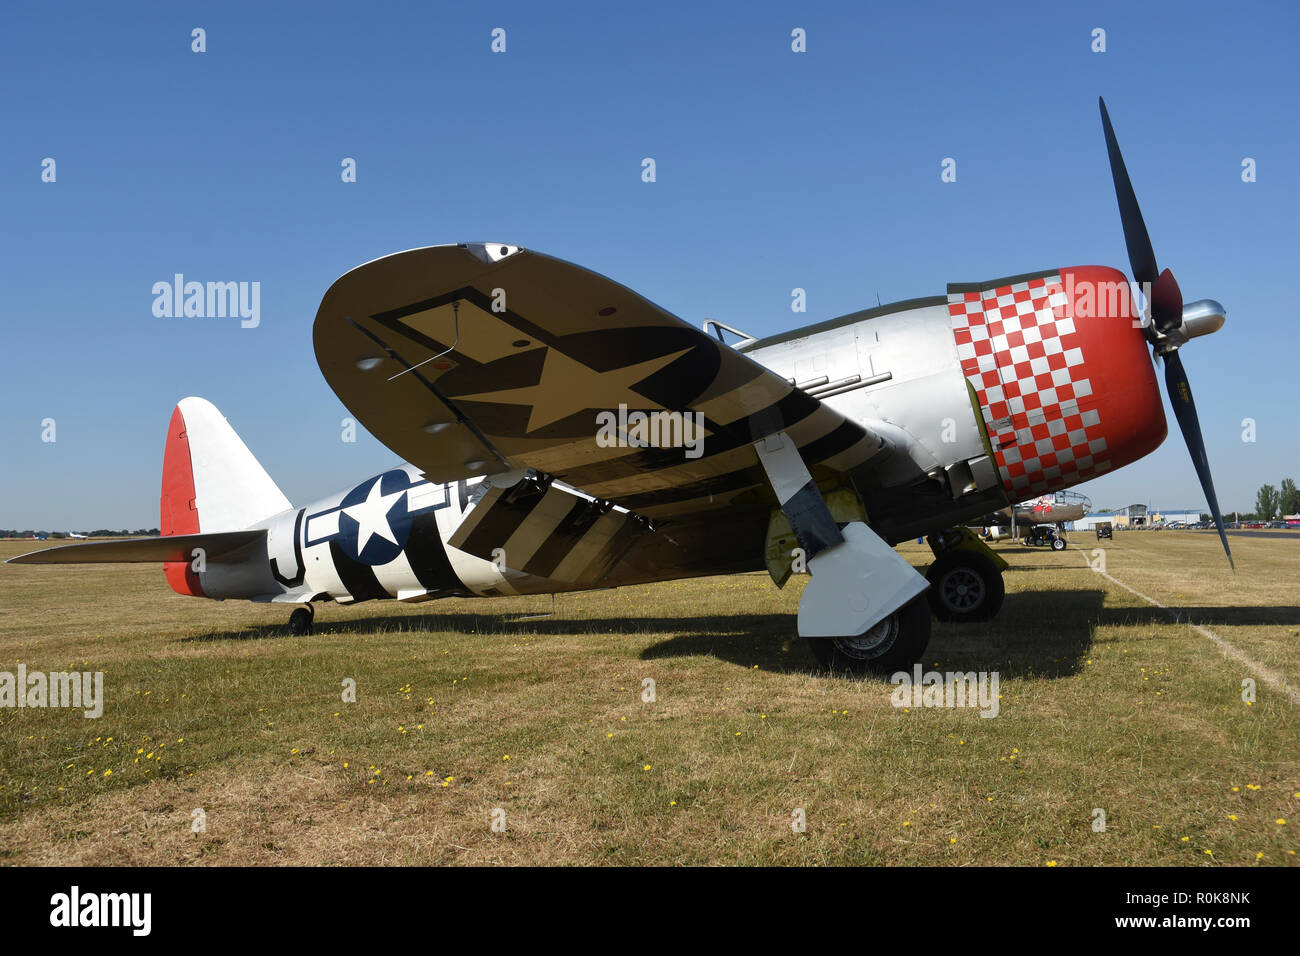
column 178, row 547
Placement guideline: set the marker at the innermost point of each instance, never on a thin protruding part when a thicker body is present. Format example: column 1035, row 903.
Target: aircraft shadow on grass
column 1031, row 637
column 1038, row 634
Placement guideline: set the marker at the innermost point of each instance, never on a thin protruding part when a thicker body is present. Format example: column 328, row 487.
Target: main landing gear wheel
column 964, row 586
column 1058, row 544
column 896, row 643
column 300, row 621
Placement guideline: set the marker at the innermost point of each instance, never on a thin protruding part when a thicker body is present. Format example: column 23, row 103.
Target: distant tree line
column 1273, row 502
column 97, row 533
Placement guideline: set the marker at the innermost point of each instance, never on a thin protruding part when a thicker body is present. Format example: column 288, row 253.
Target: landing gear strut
column 965, row 582
column 861, row 609
column 300, row 621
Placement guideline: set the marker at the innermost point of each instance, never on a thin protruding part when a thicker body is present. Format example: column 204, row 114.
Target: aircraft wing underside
column 484, row 359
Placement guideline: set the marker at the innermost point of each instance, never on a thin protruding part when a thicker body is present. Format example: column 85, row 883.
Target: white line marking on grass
column 1270, row 677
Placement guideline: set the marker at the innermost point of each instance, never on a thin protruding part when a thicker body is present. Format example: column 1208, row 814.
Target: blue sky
column 775, row 170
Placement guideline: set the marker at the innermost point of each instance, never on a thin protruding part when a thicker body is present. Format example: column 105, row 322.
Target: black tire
column 300, row 621
column 896, row 643
column 1058, row 544
column 965, row 586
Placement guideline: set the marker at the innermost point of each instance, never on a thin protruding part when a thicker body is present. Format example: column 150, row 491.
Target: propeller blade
column 1180, row 397
column 1141, row 256
column 1167, row 302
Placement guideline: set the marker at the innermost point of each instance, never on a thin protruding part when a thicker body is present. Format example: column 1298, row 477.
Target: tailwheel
column 895, row 643
column 964, row 586
column 300, row 621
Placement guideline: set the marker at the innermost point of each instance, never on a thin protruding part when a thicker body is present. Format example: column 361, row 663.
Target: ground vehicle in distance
column 1104, row 530
column 1046, row 534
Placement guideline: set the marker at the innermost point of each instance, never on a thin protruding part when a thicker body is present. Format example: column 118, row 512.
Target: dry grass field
column 466, row 707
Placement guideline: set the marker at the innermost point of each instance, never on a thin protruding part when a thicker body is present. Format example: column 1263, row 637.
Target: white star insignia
column 371, row 515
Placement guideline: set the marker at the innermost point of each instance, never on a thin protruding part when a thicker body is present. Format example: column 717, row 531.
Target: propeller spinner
column 1168, row 331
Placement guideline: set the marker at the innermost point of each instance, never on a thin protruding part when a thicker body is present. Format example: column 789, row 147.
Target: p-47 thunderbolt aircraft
column 1056, row 509
column 564, row 433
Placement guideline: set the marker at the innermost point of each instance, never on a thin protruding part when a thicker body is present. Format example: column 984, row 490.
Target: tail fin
column 211, row 483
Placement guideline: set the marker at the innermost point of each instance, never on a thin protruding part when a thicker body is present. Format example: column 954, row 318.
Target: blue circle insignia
column 374, row 519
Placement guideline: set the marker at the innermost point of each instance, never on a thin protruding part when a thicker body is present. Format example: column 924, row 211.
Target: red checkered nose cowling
column 1063, row 375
